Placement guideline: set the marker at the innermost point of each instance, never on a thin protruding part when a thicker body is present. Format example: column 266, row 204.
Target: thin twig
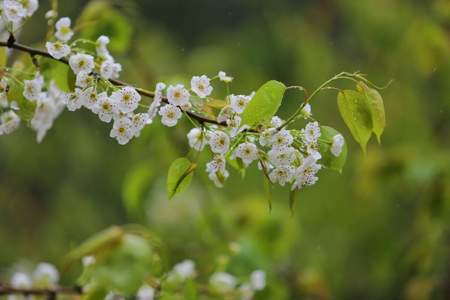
column 7, row 290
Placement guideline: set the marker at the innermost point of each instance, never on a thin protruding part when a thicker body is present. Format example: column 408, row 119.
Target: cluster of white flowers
column 14, row 12
column 224, row 282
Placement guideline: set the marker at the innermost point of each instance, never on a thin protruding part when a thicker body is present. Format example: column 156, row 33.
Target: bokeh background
column 380, row 230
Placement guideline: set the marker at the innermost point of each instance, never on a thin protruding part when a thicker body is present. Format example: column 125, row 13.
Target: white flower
column 81, row 63
column 183, row 270
column 122, row 130
column 170, row 114
column 45, row 275
column 58, row 97
column 219, row 142
column 116, row 69
column 282, row 156
column 258, row 280
column 32, row 88
column 145, row 292
column 201, row 86
column 83, row 80
column 101, row 46
column 44, row 115
column 75, row 101
column 107, row 69
column 105, row 108
column 223, row 77
column 127, row 99
column 157, row 99
column 282, row 138
column 9, row 122
column 139, row 121
column 266, row 137
column 63, row 31
column 248, row 152
column 57, row 49
column 239, row 102
column 281, row 175
column 306, row 111
column 223, row 282
column 50, row 14
column 197, row 139
column 246, row 291
column 311, row 132
column 178, row 95
column 21, row 281
column 276, row 122
column 306, row 173
column 89, row 97
column 217, row 171
column 30, row 6
column 337, row 145
column 225, row 114
column 13, row 11
column 3, row 92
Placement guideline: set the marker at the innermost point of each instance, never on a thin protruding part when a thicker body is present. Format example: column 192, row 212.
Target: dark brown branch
column 12, row 44
column 6, row 290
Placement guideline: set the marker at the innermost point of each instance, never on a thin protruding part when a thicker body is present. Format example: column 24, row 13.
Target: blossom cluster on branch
column 244, row 130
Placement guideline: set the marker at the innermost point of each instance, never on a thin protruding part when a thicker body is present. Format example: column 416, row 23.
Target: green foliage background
column 381, row 230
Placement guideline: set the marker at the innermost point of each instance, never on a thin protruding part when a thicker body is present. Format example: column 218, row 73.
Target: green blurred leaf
column 100, row 18
column 190, row 290
column 356, row 114
column 58, row 72
column 328, row 159
column 179, row 176
column 136, row 185
column 265, row 103
column 375, row 102
column 292, row 200
column 3, row 57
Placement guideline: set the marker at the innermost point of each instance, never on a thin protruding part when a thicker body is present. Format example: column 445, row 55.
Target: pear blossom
column 217, row 171
column 337, row 145
column 88, row 261
column 223, row 282
column 107, row 69
column 224, row 77
column 101, row 46
column 43, row 118
column 197, row 139
column 3, row 92
column 127, row 99
column 306, row 173
column 157, row 99
column 201, row 86
column 282, row 138
column 311, row 132
column 219, row 142
column 32, row 88
column 182, row 271
column 170, row 114
column 21, row 280
column 225, row 114
column 266, row 137
column 63, row 31
column 306, row 111
column 247, row 152
column 258, row 280
column 122, row 130
column 145, row 292
column 138, row 122
column 81, row 63
column 84, row 79
column 9, row 122
column 276, row 122
column 75, row 101
column 89, row 97
column 178, row 95
column 13, row 11
column 57, row 49
column 45, row 275
column 282, row 156
column 282, row 174
column 239, row 102
column 105, row 108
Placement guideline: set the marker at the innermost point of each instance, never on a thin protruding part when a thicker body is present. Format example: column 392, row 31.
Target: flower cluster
column 14, row 12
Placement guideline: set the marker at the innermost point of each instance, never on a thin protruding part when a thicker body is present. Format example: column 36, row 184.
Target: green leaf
column 136, row 185
column 59, row 72
column 376, row 106
column 3, row 57
column 179, row 176
column 328, row 159
column 264, row 104
column 355, row 111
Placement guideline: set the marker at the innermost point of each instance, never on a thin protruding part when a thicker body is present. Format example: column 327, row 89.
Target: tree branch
column 7, row 290
column 12, row 44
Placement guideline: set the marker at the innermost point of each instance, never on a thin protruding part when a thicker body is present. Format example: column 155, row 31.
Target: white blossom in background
column 122, row 130
column 337, row 144
column 63, row 31
column 21, row 280
column 45, row 275
column 30, row 6
column 182, row 271
column 247, row 152
column 57, row 49
column 81, row 63
column 145, row 292
column 9, row 122
column 224, row 77
column 33, row 88
column 197, row 139
column 105, row 108
column 258, row 280
column 246, row 291
column 127, row 99
column 88, row 261
column 170, row 114
column 219, row 142
column 276, row 122
column 201, row 86
column 223, row 282
column 43, row 118
column 178, row 95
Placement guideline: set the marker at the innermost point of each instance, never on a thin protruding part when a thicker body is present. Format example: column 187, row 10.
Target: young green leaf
column 376, row 106
column 179, row 176
column 329, row 160
column 136, row 186
column 356, row 114
column 264, row 104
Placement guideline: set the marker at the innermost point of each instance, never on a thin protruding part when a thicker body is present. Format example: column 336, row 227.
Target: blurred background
column 380, row 230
